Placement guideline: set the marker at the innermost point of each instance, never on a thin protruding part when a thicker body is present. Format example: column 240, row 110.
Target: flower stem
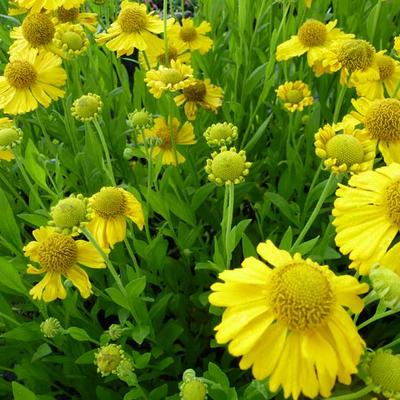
column 109, row 169
column 229, row 201
column 376, row 318
column 165, row 11
column 353, row 396
column 315, row 212
column 132, row 256
column 339, row 102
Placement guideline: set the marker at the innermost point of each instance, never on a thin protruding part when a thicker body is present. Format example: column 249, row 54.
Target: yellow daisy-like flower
column 10, row 136
column 367, row 216
column 38, row 5
column 74, row 16
column 191, row 37
column 200, row 93
column 30, row 78
column 134, row 28
column 313, row 38
column 352, row 150
column 70, row 40
column 295, row 95
column 111, row 206
column 173, row 78
column 161, row 131
column 36, row 32
column 60, row 255
column 389, row 77
column 381, row 119
column 289, row 323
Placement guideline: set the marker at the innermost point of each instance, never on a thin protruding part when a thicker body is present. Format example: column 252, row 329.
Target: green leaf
column 117, row 297
column 135, row 287
column 214, row 373
column 86, row 358
column 8, row 226
column 28, row 332
column 34, row 169
column 20, row 392
column 306, row 247
column 79, row 334
column 10, row 276
column 42, row 351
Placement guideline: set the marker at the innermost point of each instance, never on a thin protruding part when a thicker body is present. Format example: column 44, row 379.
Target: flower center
column 382, row 120
column 67, row 15
column 386, row 66
column 20, row 74
column 172, row 55
column 139, row 119
column 228, row 166
column 194, row 390
column 163, row 137
column 294, row 96
column 72, row 39
column 220, row 131
column 195, row 92
column 8, row 136
column 108, row 359
column 132, row 19
column 110, row 202
column 384, row 370
column 312, row 33
column 347, row 149
column 87, row 106
column 170, row 76
column 356, row 55
column 69, row 212
column 38, row 29
column 58, row 253
column 393, row 202
column 301, row 295
column 188, row 33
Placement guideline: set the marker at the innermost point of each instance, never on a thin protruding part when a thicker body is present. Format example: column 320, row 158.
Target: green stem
column 146, row 59
column 5, row 316
column 132, row 256
column 339, row 102
column 315, row 212
column 149, row 170
column 11, row 188
column 376, row 318
column 353, row 396
column 230, row 193
column 165, row 12
column 109, row 169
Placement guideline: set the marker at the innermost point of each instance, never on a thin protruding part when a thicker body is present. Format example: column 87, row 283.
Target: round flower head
column 191, row 37
column 173, row 78
column 386, row 283
column 70, row 215
column 199, row 93
column 30, row 78
column 389, row 76
column 367, row 216
column 383, row 373
column 110, row 208
column 10, row 136
column 381, row 119
column 295, row 95
column 74, row 16
column 351, row 150
column 193, row 389
column 134, row 28
column 160, row 136
column 313, row 38
column 87, row 107
column 60, row 254
column 227, row 167
column 51, row 327
column 115, row 331
column 289, row 323
column 108, row 358
column 140, row 119
column 38, row 5
column 70, row 40
column 221, row 134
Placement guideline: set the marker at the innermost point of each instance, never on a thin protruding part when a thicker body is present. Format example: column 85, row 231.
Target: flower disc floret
column 109, row 202
column 87, row 107
column 108, row 358
column 194, row 389
column 221, row 134
column 294, row 96
column 386, row 66
column 139, row 119
column 65, row 15
column 393, row 202
column 382, row 119
column 356, row 55
column 188, row 33
column 132, row 19
column 312, row 33
column 38, row 29
column 20, row 74
column 51, row 327
column 301, row 295
column 9, row 137
column 196, row 91
column 346, row 149
column 227, row 167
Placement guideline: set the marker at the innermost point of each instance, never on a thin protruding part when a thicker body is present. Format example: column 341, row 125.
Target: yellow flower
column 38, row 5
column 156, row 55
column 351, row 150
column 87, row 107
column 182, row 136
column 199, row 93
column 367, row 216
column 308, row 3
column 30, row 78
column 70, row 40
column 111, row 206
column 313, row 38
column 10, row 136
column 59, row 255
column 191, row 37
column 396, row 45
column 288, row 322
column 221, row 134
column 172, row 78
column 295, row 95
column 381, row 119
column 134, row 28
column 389, row 77
column 36, row 32
column 74, row 16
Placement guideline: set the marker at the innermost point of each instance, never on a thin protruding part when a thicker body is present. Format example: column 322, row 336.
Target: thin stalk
column 353, row 396
column 11, row 188
column 315, row 212
column 339, row 102
column 149, row 170
column 376, row 318
column 228, row 211
column 146, row 60
column 5, row 316
column 109, row 170
column 132, row 256
column 165, row 13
